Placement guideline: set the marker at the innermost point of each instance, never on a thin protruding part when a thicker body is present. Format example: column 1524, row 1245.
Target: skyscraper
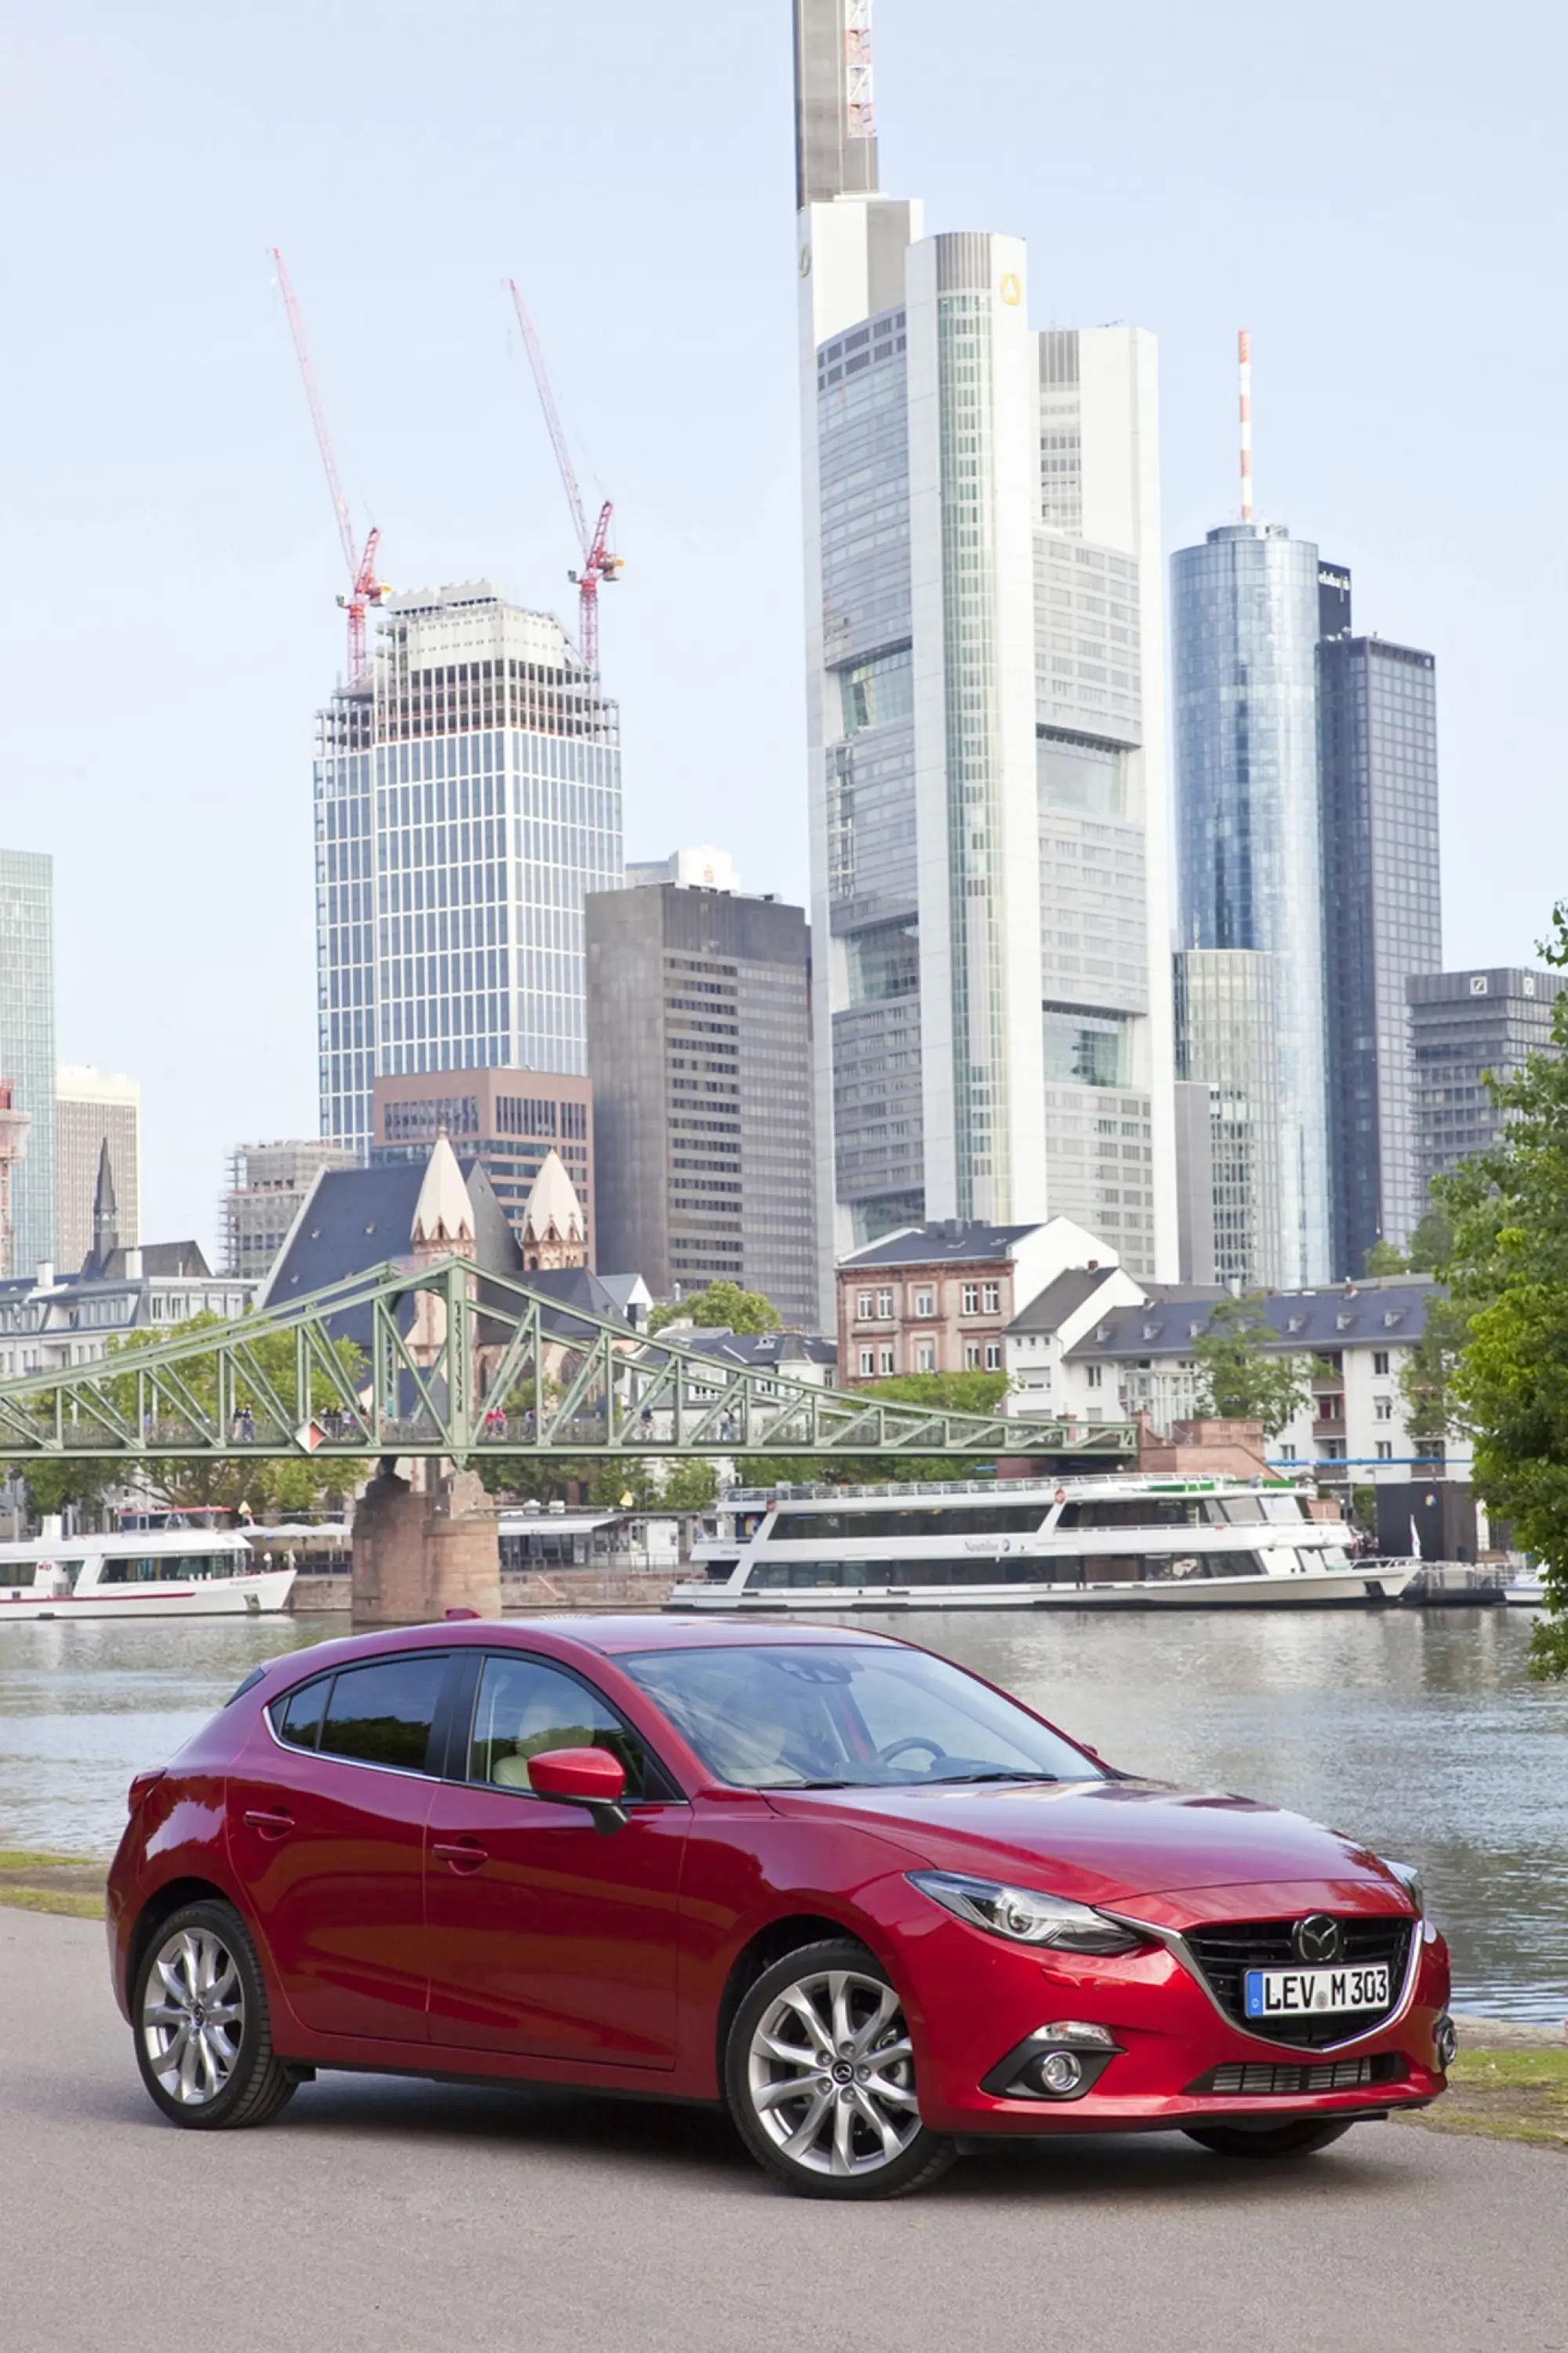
column 1227, row 1041
column 1464, row 1025
column 467, row 795
column 28, row 1045
column 1384, row 921
column 985, row 692
column 700, row 1051
column 1245, row 627
column 92, row 1110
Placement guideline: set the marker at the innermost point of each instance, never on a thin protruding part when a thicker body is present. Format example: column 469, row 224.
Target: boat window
column 1132, row 1512
column 526, row 1707
column 17, row 1572
column 1242, row 1510
column 1332, row 1556
column 382, row 1714
column 1283, row 1509
column 907, row 1520
column 157, row 1568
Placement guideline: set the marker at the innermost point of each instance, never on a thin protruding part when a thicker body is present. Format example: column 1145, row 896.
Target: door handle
column 270, row 1825
column 465, row 1854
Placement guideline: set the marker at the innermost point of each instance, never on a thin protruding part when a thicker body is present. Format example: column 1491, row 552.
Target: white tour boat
column 139, row 1573
column 1116, row 1542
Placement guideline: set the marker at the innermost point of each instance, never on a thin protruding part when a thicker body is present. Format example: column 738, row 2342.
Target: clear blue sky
column 1378, row 194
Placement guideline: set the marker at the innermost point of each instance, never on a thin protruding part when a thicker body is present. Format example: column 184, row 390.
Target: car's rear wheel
column 820, row 2078
column 1303, row 2137
column 203, row 2035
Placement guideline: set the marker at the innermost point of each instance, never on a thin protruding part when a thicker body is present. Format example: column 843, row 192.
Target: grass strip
column 1505, row 2095
column 51, row 1899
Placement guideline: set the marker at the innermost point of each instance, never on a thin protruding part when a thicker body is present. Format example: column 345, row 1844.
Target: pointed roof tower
column 105, row 1215
column 554, row 1232
column 443, row 1215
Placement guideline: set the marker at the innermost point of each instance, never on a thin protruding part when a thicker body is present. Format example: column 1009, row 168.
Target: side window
column 296, row 1718
column 382, row 1714
column 525, row 1707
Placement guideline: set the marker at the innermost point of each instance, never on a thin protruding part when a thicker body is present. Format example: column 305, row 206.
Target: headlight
column 1410, row 1879
column 1023, row 1914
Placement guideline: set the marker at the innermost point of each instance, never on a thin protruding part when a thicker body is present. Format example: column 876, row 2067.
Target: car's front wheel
column 204, row 2036
column 820, row 2078
column 1303, row 2137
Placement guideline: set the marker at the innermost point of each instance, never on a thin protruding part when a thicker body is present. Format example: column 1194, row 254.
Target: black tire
column 233, row 2075
column 1302, row 2138
column 875, row 2102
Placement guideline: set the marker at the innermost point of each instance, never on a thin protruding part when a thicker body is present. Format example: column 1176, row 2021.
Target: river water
column 1418, row 1731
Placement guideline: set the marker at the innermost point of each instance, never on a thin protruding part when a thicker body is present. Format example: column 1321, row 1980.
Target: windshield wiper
column 1003, row 1773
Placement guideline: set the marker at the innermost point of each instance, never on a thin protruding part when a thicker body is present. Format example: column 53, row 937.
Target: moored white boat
column 142, row 1572
column 1115, row 1542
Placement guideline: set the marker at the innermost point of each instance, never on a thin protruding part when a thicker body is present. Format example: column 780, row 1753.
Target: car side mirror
column 583, row 1776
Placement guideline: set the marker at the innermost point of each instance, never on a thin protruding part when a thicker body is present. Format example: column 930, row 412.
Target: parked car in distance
column 859, row 1897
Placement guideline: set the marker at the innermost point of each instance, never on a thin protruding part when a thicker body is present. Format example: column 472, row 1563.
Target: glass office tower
column 1226, row 1022
column 1383, row 921
column 468, row 799
column 986, row 697
column 1245, row 627
column 27, row 1046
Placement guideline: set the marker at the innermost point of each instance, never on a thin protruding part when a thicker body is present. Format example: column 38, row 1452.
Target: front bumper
column 1178, row 2059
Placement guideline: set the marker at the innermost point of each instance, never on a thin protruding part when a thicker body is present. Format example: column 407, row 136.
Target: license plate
column 1298, row 1993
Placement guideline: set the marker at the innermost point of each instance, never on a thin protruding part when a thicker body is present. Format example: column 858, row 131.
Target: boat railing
column 903, row 1490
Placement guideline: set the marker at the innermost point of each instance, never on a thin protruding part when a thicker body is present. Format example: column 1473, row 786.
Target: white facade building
column 468, row 796
column 94, row 1108
column 985, row 693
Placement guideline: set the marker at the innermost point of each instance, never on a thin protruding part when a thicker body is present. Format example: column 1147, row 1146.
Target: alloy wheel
column 831, row 2073
column 193, row 2016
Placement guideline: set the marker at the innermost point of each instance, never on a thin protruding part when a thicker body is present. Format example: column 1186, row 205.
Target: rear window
column 383, row 1713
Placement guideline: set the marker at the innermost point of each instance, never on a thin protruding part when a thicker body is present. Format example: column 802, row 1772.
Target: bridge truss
column 446, row 1360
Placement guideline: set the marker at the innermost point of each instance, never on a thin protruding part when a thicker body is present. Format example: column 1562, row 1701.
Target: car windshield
column 794, row 1716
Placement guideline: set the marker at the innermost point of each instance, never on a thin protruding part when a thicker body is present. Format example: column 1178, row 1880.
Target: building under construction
column 468, row 799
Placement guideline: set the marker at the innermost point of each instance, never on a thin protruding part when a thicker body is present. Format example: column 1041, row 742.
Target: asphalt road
column 381, row 2217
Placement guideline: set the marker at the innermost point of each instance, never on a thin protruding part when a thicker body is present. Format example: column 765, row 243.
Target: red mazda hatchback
column 858, row 1896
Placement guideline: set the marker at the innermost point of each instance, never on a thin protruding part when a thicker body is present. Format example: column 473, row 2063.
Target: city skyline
column 197, row 480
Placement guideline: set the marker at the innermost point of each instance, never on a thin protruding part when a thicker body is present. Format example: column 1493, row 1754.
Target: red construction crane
column 598, row 563
column 365, row 589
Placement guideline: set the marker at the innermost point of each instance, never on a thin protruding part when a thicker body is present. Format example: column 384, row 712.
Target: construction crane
column 598, row 562
column 364, row 589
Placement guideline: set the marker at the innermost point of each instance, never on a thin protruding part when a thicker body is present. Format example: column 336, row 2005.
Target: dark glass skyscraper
column 1246, row 623
column 1382, row 921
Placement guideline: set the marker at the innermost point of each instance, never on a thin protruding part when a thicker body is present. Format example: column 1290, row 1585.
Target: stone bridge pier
column 421, row 1550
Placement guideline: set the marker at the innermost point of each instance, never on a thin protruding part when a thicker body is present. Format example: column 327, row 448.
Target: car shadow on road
column 697, row 2141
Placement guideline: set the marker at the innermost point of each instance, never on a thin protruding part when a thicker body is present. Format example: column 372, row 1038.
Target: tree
column 969, row 1392
column 1385, row 1258
column 53, row 1483
column 722, row 1307
column 690, row 1485
column 1243, row 1375
column 1432, row 1240
column 1507, row 1267
column 265, row 1488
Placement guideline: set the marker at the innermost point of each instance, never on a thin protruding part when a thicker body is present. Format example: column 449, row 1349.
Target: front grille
column 1255, row 2080
column 1224, row 1954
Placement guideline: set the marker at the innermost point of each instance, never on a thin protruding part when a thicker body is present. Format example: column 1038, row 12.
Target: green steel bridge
column 449, row 1361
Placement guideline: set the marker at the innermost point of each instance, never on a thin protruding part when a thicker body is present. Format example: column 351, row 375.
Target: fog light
column 1446, row 2040
column 1061, row 2071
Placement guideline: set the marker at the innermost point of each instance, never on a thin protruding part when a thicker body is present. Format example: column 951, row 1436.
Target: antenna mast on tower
column 1244, row 370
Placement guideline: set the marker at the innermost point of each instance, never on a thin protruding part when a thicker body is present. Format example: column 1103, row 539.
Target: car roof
column 608, row 1636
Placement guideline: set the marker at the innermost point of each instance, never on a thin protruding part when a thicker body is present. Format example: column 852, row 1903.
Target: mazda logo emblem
column 1319, row 1941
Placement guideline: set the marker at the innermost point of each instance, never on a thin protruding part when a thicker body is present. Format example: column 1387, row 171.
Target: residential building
column 507, row 1120
column 700, row 1053
column 985, row 694
column 804, row 1356
column 940, row 1298
column 1227, row 1045
column 1463, row 1025
column 1246, row 615
column 28, row 1045
column 49, row 1322
column 1353, row 1341
column 94, row 1112
column 468, row 796
column 266, row 1183
column 1036, row 1342
column 1384, row 921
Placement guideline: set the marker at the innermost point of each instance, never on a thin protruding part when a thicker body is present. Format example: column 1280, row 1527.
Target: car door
column 547, row 1937
column 326, row 1830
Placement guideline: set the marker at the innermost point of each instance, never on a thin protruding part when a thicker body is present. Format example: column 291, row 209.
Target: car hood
column 1115, row 1842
